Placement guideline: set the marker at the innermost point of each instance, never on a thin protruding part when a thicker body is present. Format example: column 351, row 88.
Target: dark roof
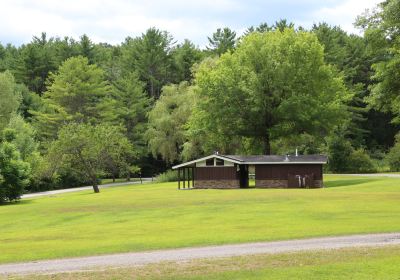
column 278, row 159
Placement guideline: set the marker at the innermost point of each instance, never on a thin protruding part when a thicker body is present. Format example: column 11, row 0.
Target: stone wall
column 318, row 184
column 271, row 183
column 216, row 184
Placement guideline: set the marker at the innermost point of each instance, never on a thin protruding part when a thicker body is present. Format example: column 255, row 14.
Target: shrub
column 393, row 157
column 361, row 162
column 168, row 176
column 14, row 173
column 339, row 150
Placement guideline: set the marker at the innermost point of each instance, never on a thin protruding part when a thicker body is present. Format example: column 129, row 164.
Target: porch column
column 184, row 177
column 179, row 178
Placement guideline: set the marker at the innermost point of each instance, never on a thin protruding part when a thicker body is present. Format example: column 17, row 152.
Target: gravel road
column 142, row 258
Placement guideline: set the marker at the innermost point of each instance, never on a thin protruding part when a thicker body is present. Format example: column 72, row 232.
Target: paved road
column 30, row 195
column 142, row 258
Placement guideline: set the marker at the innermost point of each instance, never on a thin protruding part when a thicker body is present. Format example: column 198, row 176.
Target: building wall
column 216, row 177
column 277, row 175
column 281, row 171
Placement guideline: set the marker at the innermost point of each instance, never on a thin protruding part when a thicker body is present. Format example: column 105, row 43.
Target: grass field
column 154, row 216
column 356, row 263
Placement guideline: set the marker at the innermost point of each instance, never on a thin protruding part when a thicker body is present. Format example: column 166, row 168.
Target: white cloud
column 113, row 20
column 344, row 14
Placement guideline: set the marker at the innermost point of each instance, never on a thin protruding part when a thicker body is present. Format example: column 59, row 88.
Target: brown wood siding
column 281, row 171
column 216, row 173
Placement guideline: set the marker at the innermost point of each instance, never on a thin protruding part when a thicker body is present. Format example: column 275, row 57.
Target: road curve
column 32, row 195
column 142, row 258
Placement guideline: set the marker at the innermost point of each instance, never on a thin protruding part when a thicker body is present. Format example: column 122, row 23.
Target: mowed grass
column 351, row 263
column 156, row 216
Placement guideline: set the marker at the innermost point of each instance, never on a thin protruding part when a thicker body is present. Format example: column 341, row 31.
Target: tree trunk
column 95, row 186
column 267, row 144
column 113, row 177
column 128, row 178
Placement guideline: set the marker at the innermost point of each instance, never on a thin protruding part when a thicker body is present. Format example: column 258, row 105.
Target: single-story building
column 271, row 171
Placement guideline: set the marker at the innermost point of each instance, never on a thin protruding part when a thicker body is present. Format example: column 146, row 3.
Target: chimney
column 296, row 153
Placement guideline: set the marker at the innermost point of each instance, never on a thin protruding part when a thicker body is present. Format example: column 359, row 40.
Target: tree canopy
column 274, row 85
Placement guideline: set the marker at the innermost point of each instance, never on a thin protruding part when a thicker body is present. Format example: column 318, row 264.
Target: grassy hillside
column 153, row 216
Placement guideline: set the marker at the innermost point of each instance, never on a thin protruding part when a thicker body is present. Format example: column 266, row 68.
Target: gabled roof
column 263, row 159
column 205, row 158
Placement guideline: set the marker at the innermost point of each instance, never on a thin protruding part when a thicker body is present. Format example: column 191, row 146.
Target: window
column 219, row 162
column 210, row 162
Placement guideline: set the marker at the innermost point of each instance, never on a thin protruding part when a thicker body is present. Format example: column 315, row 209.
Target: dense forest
column 73, row 111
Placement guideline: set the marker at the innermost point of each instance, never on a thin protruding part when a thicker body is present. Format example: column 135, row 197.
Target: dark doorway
column 244, row 175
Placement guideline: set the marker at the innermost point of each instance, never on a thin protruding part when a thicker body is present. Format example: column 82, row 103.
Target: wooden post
column 193, row 176
column 184, row 178
column 179, row 178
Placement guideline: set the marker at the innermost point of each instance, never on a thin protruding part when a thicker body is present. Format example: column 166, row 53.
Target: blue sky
column 113, row 20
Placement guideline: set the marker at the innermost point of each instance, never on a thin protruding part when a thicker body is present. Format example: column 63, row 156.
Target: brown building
column 232, row 171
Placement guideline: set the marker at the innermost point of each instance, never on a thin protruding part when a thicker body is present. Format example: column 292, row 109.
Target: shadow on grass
column 16, row 203
column 347, row 182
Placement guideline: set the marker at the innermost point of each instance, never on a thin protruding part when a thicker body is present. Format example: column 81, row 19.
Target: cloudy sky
column 113, row 20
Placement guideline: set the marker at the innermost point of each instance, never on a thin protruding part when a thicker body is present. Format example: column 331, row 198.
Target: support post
column 184, row 177
column 179, row 178
column 193, row 168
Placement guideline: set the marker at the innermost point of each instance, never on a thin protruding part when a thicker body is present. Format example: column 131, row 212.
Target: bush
column 339, row 150
column 14, row 173
column 361, row 162
column 343, row 158
column 393, row 157
column 168, row 176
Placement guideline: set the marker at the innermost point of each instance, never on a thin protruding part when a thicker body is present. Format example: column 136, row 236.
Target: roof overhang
column 248, row 162
column 205, row 158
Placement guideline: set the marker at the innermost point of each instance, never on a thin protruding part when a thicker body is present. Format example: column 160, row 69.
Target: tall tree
column 149, row 55
column 35, row 61
column 382, row 29
column 166, row 134
column 184, row 56
column 128, row 105
column 222, row 40
column 10, row 98
column 86, row 48
column 74, row 94
column 275, row 84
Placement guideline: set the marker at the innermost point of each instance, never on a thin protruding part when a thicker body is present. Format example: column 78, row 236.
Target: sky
column 112, row 21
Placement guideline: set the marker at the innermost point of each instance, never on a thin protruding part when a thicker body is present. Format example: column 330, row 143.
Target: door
column 244, row 176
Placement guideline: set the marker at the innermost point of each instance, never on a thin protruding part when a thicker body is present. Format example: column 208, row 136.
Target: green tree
column 88, row 149
column 35, row 61
column 128, row 105
column 184, row 56
column 274, row 85
column 382, row 30
column 14, row 172
column 10, row 98
column 74, row 94
column 149, row 55
column 222, row 40
column 86, row 48
column 166, row 134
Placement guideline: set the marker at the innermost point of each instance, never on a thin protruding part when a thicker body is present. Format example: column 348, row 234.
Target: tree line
column 74, row 111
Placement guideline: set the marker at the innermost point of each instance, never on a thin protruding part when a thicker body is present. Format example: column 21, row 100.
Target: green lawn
column 354, row 263
column 153, row 216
